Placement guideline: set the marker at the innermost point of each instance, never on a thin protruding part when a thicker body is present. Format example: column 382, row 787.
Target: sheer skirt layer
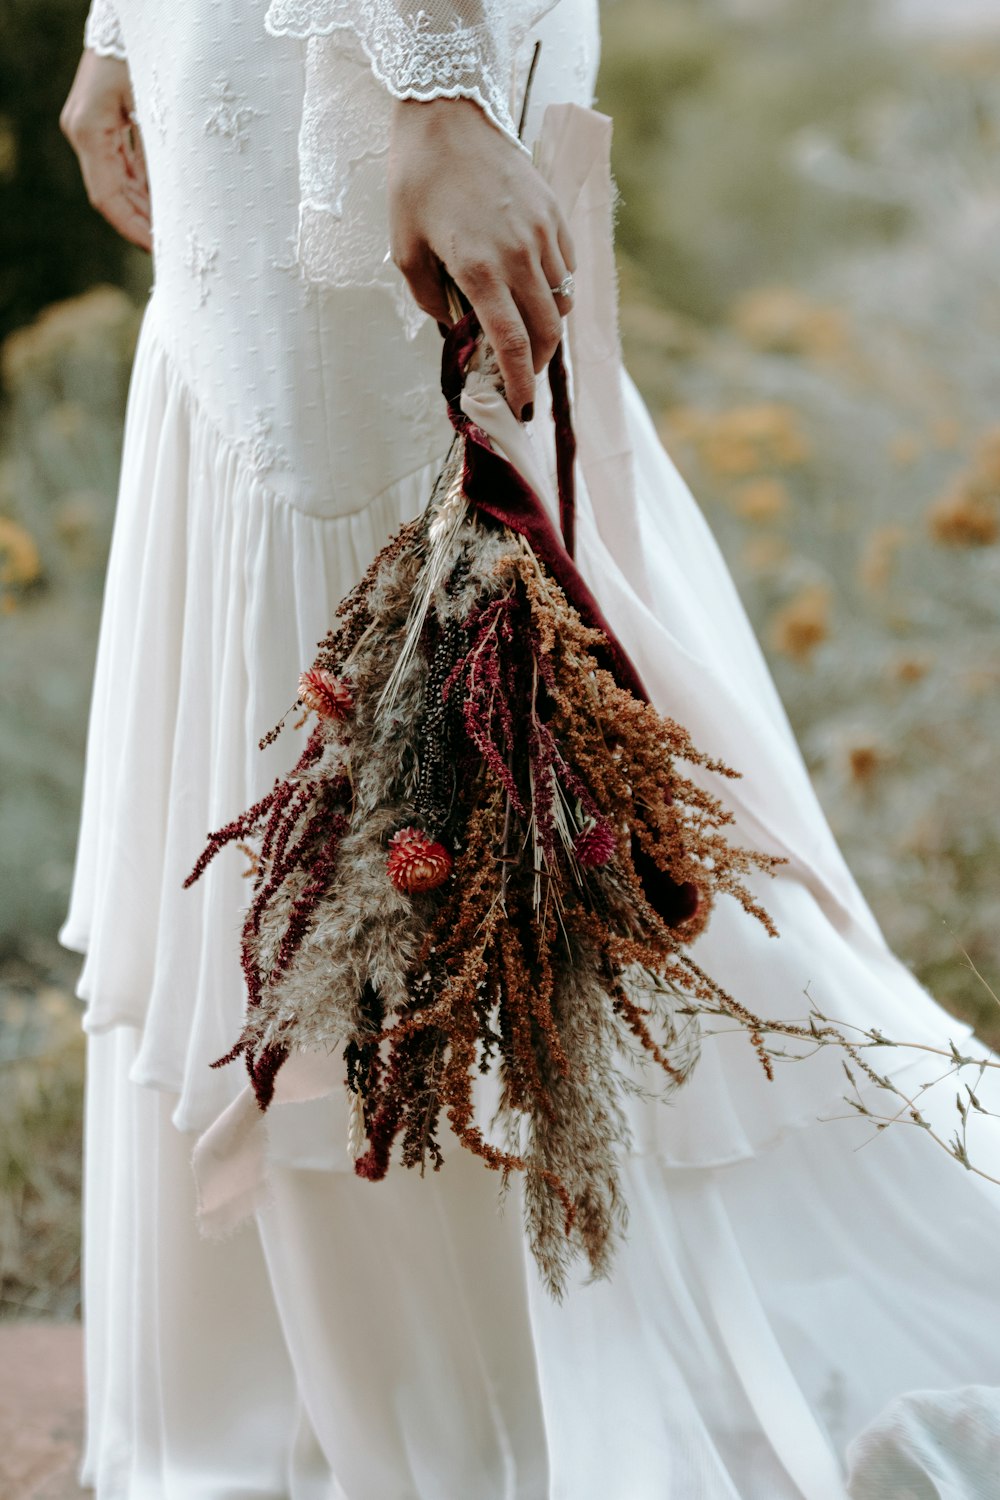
column 392, row 1342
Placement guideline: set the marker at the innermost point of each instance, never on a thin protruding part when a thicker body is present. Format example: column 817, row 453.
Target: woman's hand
column 97, row 121
column 463, row 198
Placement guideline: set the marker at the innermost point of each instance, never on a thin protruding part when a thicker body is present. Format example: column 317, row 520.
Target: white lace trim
column 361, row 54
column 447, row 48
column 102, row 31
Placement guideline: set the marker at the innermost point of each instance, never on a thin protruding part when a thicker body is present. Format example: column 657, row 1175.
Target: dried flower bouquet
column 487, row 857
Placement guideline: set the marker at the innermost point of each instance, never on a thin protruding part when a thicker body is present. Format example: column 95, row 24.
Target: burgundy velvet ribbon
column 495, row 487
column 565, row 449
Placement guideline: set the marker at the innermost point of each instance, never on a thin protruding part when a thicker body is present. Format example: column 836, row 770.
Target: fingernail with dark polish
column 528, row 412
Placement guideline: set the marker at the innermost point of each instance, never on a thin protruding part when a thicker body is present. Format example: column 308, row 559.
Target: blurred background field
column 809, row 236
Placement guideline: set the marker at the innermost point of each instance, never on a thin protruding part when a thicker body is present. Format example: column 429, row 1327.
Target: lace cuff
column 445, row 49
column 360, row 55
column 102, row 31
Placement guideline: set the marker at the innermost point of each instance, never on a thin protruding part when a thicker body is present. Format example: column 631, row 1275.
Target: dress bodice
column 277, row 360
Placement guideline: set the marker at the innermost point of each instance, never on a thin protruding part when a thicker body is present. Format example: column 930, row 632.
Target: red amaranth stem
column 284, row 794
column 239, row 828
column 486, row 710
column 308, row 897
column 282, row 863
column 249, row 821
column 264, row 1070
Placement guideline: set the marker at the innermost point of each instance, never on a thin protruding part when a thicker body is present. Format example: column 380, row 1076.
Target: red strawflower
column 594, row 845
column 416, row 862
column 327, row 695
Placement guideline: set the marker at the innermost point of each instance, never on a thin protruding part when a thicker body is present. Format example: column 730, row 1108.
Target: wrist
column 444, row 118
column 433, row 116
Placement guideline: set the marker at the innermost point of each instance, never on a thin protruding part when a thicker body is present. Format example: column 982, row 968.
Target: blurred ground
column 808, row 232
column 41, row 1411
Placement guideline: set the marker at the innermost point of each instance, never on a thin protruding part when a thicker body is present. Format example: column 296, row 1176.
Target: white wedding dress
column 788, row 1307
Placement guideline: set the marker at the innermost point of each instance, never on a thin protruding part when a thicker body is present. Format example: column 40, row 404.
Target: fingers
column 541, row 311
column 559, row 262
column 532, row 277
column 130, row 216
column 113, row 190
column 519, row 312
column 135, row 156
column 460, row 197
column 508, row 335
column 98, row 122
column 567, row 249
column 424, row 276
column 555, row 269
column 114, row 174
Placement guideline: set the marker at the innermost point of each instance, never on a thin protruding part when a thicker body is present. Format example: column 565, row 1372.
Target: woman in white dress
column 782, row 1296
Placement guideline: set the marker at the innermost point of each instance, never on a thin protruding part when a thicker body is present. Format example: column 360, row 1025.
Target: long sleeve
column 360, row 54
column 102, row 30
column 446, row 49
